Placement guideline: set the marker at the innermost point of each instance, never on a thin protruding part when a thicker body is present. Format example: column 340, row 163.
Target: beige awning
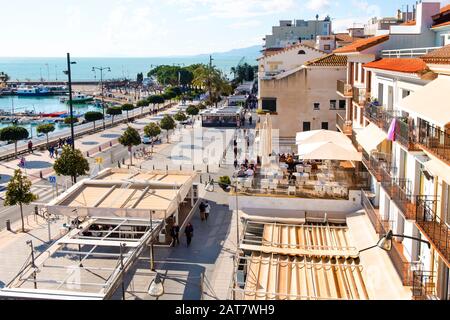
column 439, row 169
column 322, row 136
column 370, row 137
column 431, row 102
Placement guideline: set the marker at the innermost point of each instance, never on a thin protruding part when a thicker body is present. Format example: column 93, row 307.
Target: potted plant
column 224, row 183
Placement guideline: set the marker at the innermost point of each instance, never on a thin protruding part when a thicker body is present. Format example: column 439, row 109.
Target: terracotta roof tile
column 409, row 23
column 441, row 25
column 330, row 60
column 414, row 65
column 360, row 45
column 344, row 37
column 439, row 56
column 445, row 9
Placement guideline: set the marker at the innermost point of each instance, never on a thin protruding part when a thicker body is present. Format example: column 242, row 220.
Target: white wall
column 299, row 204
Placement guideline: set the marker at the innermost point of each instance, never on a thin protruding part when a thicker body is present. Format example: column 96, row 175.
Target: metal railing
column 407, row 53
column 424, row 285
column 344, row 88
column 344, row 126
column 360, row 95
column 436, row 230
column 380, row 225
column 375, row 162
column 434, row 140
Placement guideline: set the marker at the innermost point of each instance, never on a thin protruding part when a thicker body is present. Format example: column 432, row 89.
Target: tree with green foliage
column 45, row 128
column 142, row 104
column 192, row 111
column 129, row 139
column 152, row 130
column 212, row 80
column 14, row 134
column 140, row 78
column 93, row 116
column 127, row 107
column 71, row 163
column 114, row 111
column 167, row 123
column 172, row 75
column 18, row 192
column 244, row 72
column 180, row 116
column 70, row 120
column 156, row 99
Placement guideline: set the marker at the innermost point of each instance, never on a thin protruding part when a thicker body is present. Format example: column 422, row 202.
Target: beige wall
column 296, row 95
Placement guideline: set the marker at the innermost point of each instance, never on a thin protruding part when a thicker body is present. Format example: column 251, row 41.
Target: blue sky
column 149, row 28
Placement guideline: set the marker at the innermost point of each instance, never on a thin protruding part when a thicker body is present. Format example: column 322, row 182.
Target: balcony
column 269, row 75
column 436, row 230
column 424, row 285
column 344, row 89
column 360, row 96
column 407, row 53
column 382, row 226
column 376, row 162
column 344, row 126
column 404, row 132
column 434, row 140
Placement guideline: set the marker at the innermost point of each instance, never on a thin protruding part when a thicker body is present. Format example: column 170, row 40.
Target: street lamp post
column 33, row 265
column 101, row 69
column 69, row 74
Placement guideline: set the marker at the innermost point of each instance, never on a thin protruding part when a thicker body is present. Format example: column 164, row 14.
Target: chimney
column 407, row 13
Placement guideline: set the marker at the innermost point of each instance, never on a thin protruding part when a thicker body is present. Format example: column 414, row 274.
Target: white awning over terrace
column 439, row 169
column 431, row 102
column 371, row 137
column 328, row 151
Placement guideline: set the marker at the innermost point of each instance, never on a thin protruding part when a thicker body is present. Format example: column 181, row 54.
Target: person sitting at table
column 314, row 166
column 283, row 158
column 252, row 166
column 246, row 162
column 241, row 173
column 249, row 172
column 290, row 162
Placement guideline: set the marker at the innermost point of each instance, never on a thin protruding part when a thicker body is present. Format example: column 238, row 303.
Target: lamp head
column 385, row 243
column 210, row 186
column 156, row 287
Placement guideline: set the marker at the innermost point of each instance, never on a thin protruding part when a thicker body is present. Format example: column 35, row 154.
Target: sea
column 51, row 69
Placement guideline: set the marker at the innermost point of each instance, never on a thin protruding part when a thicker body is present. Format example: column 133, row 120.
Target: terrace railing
column 344, row 88
column 360, row 95
column 436, row 230
column 424, row 285
column 435, row 140
column 344, row 126
column 375, row 162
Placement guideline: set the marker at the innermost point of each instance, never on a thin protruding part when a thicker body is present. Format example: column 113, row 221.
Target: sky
column 157, row 28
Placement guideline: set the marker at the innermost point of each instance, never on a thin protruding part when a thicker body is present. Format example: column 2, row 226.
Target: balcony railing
column 407, row 53
column 382, row 226
column 404, row 131
column 360, row 96
column 344, row 88
column 375, row 162
column 434, row 140
column 436, row 230
column 424, row 285
column 344, row 126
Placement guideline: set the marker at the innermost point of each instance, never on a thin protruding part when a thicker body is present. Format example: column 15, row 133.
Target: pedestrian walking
column 202, row 208
column 51, row 151
column 235, row 152
column 56, row 153
column 189, row 231
column 207, row 210
column 30, row 146
column 236, row 165
column 250, row 120
column 174, row 233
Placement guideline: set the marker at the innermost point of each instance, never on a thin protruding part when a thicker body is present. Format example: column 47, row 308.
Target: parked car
column 146, row 140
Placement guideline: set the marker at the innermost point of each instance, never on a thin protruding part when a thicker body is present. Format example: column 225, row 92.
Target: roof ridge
column 295, row 46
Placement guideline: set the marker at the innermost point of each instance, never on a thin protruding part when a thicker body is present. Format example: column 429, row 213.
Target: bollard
column 201, row 179
column 167, row 167
column 40, row 175
column 8, row 225
column 140, row 167
column 99, row 149
column 193, row 167
column 207, row 168
column 118, row 164
column 128, row 166
column 87, row 154
column 123, row 161
column 110, row 143
column 181, row 168
column 153, row 167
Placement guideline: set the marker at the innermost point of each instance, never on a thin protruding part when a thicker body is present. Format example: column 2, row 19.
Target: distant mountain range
column 250, row 53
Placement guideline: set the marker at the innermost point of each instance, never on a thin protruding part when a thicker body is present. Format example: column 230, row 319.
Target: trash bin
column 8, row 225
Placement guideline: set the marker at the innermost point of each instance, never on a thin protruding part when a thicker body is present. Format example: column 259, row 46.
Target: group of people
column 53, row 149
column 175, row 234
column 246, row 169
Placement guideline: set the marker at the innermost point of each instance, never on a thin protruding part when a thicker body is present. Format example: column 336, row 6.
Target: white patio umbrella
column 266, row 142
column 328, row 150
column 322, row 136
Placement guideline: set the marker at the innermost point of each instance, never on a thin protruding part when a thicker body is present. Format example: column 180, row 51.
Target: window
column 302, row 52
column 306, row 126
column 356, row 71
column 269, row 104
column 405, row 93
column 341, row 104
column 316, row 106
column 326, row 47
column 324, row 125
column 333, row 104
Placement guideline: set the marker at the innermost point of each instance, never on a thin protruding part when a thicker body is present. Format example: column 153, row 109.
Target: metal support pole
column 237, row 216
column 72, row 134
column 152, row 255
column 122, row 245
column 33, row 265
